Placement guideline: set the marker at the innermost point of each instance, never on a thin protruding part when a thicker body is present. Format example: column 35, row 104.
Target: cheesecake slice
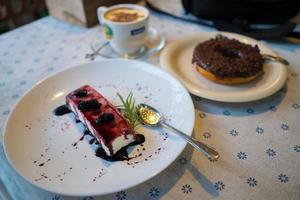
column 101, row 118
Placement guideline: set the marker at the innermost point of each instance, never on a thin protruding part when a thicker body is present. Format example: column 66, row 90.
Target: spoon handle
column 275, row 59
column 208, row 151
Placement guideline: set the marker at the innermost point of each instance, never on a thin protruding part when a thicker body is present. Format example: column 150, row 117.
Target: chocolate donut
column 227, row 61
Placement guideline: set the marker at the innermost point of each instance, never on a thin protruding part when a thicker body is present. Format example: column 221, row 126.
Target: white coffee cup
column 125, row 37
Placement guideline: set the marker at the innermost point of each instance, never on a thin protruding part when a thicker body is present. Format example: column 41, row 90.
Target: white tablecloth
column 259, row 142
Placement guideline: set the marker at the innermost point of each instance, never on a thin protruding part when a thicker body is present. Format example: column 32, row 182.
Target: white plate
column 177, row 58
column 33, row 135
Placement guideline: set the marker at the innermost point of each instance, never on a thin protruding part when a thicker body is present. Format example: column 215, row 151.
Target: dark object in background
column 80, row 12
column 238, row 15
column 252, row 11
column 14, row 13
column 241, row 16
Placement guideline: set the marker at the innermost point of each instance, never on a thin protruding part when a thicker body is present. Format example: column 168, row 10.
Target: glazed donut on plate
column 227, row 61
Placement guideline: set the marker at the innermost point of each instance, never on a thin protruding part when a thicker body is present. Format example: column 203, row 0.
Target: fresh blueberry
column 89, row 105
column 105, row 118
column 80, row 93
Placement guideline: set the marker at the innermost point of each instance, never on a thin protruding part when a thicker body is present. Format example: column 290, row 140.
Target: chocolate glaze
column 228, row 58
column 61, row 110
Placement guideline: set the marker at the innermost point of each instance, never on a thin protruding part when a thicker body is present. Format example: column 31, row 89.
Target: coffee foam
column 124, row 14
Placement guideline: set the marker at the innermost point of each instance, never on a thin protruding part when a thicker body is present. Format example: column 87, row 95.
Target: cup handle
column 100, row 11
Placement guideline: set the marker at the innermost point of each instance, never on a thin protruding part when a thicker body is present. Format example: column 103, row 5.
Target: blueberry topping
column 89, row 105
column 105, row 118
column 80, row 93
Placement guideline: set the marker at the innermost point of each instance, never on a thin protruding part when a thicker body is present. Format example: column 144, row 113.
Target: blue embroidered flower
column 5, row 54
column 206, row 135
column 186, row 189
column 2, row 84
column 56, row 197
column 36, row 60
column 88, row 198
column 273, row 108
column 121, row 195
column 42, row 50
column 30, row 70
column 296, row 106
column 50, row 69
column 252, row 182
column 242, row 155
column 285, row 127
column 202, row 115
column 250, row 110
column 17, row 61
column 23, row 82
column 9, row 72
column 271, row 152
column 183, row 161
column 297, row 148
column 154, row 192
column 5, row 112
column 283, row 178
column 234, row 132
column 23, row 52
column 219, row 185
column 259, row 130
column 15, row 96
column 226, row 112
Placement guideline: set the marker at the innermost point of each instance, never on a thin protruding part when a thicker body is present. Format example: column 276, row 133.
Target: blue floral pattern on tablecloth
column 259, row 141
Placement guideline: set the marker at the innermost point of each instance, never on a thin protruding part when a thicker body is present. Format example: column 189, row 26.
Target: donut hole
column 228, row 52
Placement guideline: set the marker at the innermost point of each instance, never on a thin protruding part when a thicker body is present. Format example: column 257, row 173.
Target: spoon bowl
column 150, row 116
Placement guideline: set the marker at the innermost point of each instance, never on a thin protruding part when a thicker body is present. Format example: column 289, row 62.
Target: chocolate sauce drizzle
column 61, row 110
column 121, row 155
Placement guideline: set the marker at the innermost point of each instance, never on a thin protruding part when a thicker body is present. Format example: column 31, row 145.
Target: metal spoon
column 151, row 117
column 268, row 57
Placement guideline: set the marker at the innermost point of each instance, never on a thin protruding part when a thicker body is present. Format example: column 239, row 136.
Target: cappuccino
column 124, row 14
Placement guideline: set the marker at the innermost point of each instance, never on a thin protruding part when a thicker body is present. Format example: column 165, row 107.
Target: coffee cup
column 125, row 26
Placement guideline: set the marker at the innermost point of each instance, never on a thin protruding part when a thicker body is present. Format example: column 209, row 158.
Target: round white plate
column 177, row 58
column 40, row 146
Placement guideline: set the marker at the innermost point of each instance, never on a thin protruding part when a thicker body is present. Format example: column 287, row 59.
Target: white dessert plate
column 177, row 59
column 47, row 151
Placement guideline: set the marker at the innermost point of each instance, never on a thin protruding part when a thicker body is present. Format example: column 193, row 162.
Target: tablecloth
column 259, row 142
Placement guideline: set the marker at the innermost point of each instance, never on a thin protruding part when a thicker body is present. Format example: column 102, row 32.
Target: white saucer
column 177, row 59
column 40, row 146
column 153, row 43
